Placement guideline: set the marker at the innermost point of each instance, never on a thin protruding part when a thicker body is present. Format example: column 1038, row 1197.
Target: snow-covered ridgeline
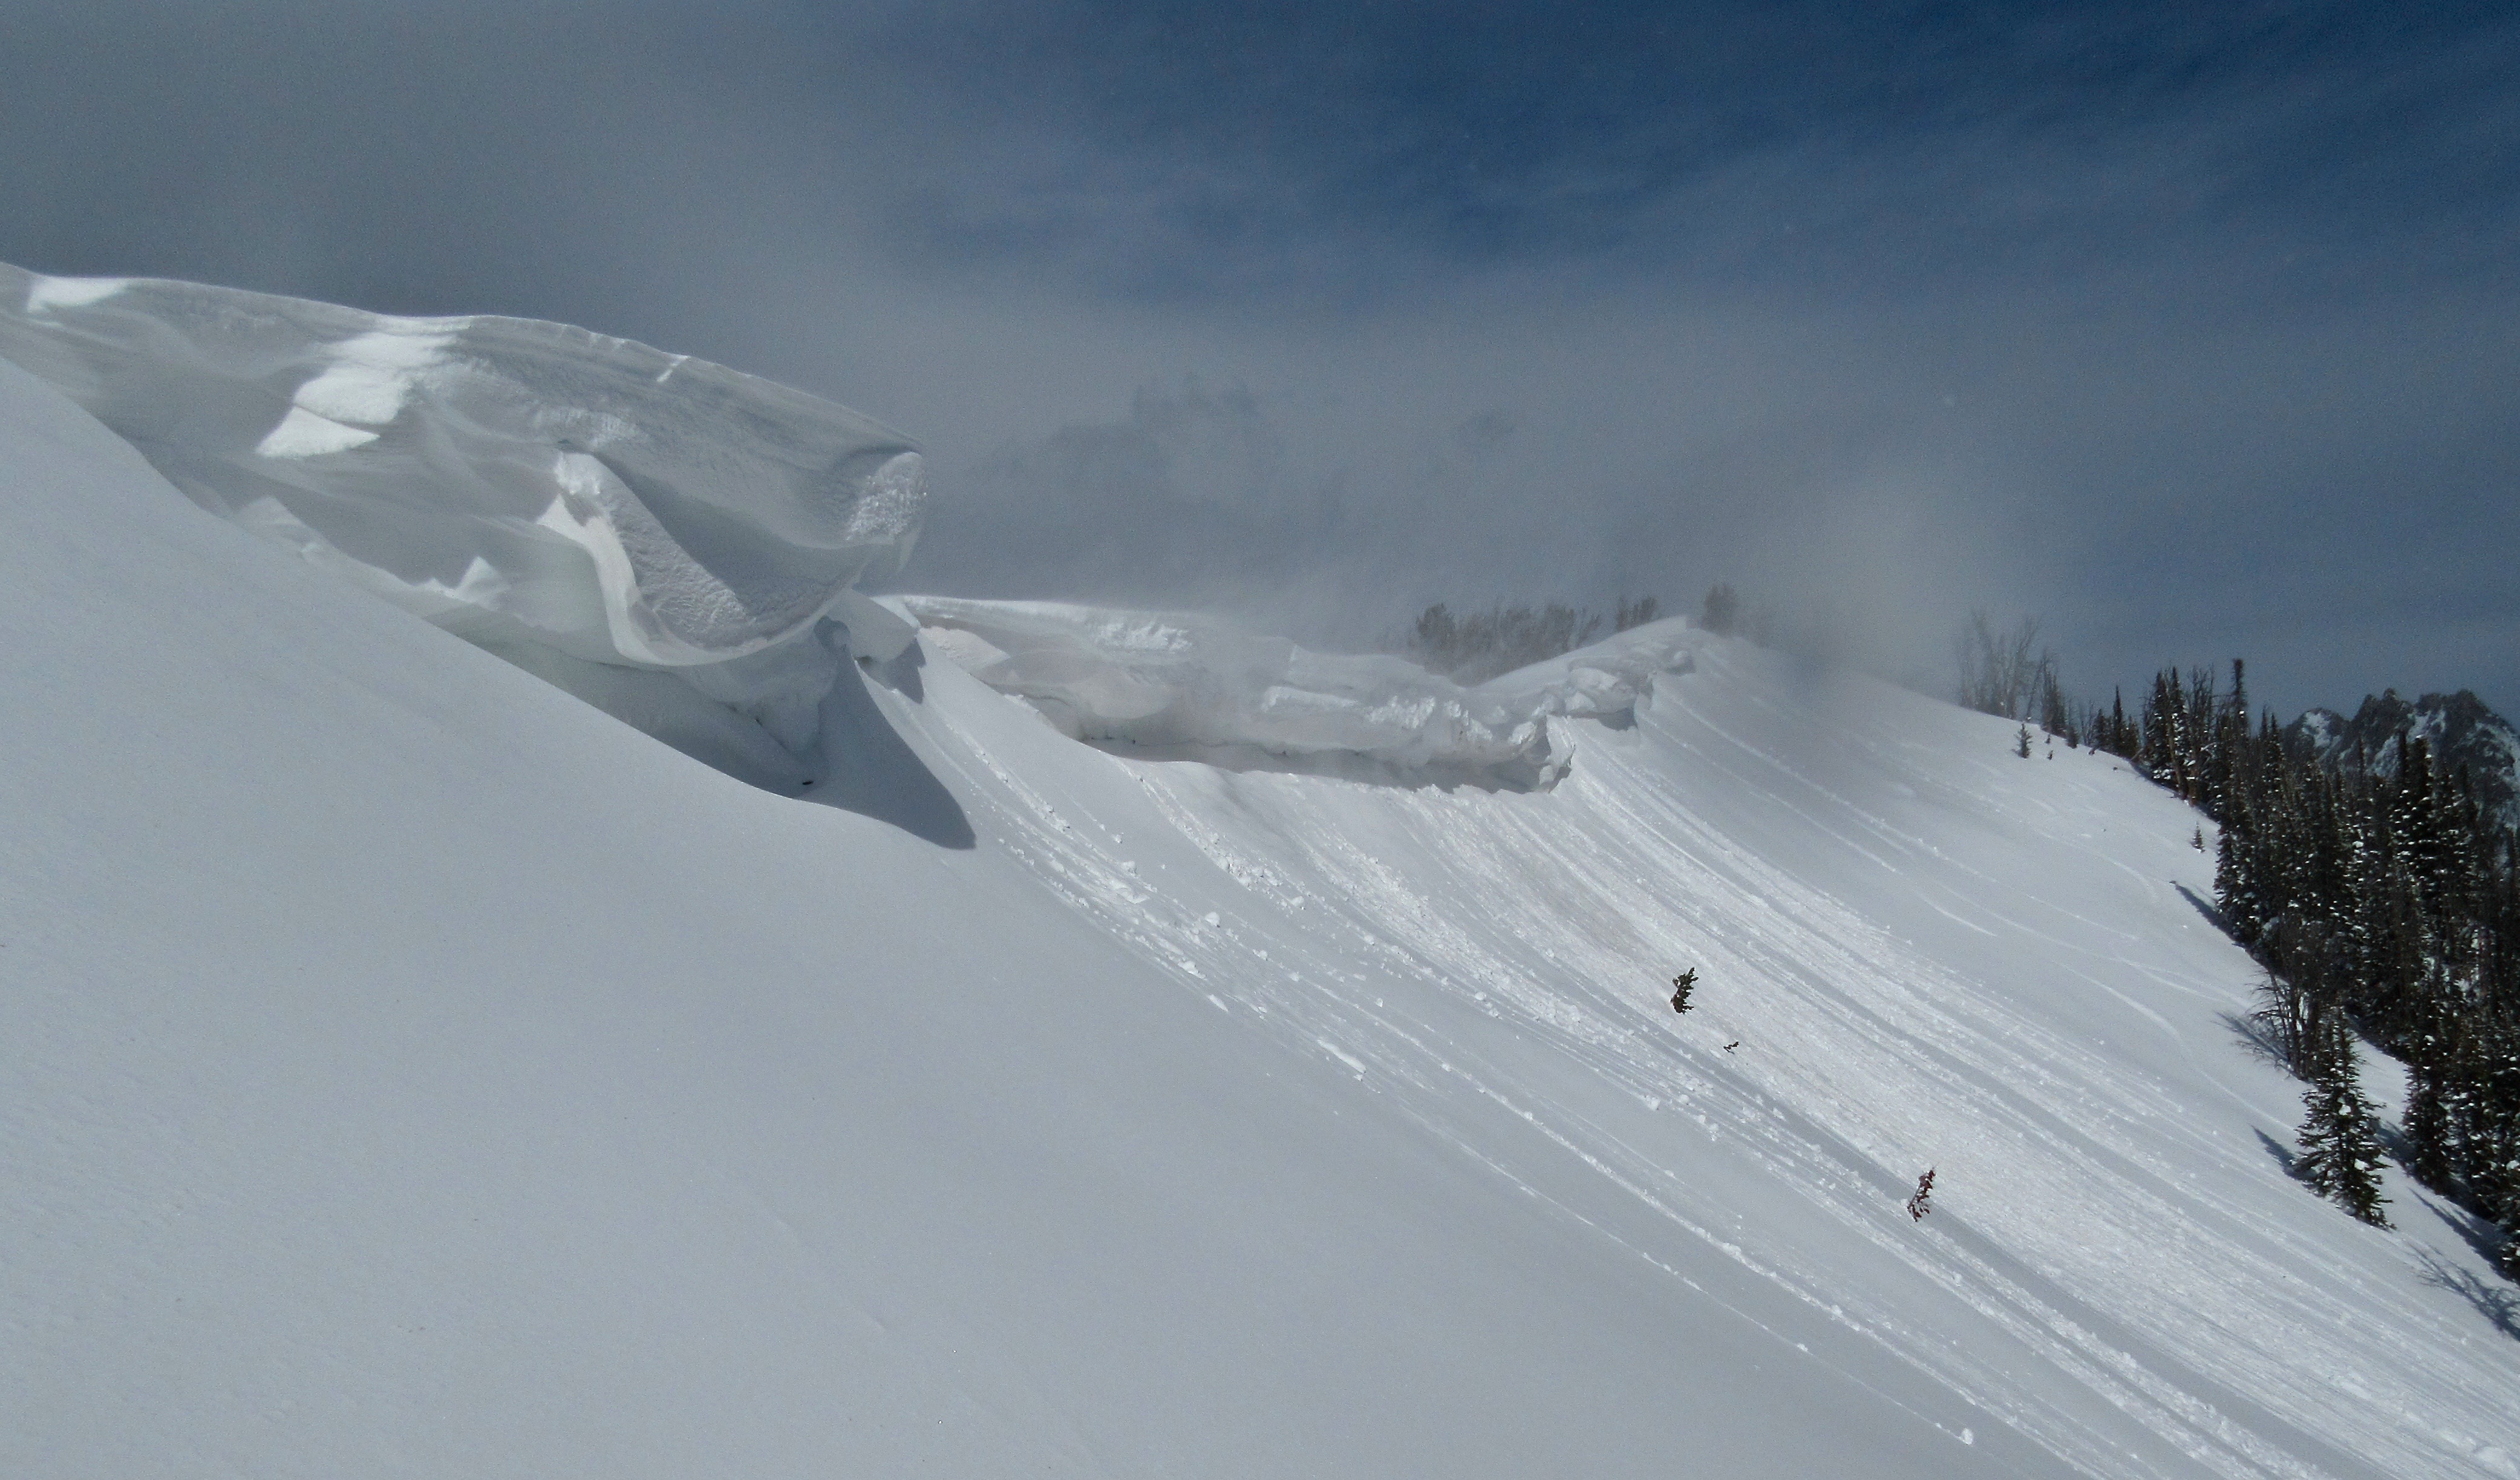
column 675, row 542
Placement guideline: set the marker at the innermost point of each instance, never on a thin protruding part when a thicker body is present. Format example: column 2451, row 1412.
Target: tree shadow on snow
column 2213, row 914
column 2497, row 1301
column 2254, row 1038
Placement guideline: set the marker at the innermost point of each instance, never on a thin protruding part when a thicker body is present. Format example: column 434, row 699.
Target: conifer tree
column 2238, row 890
column 2340, row 1144
column 2054, row 716
column 2432, row 1103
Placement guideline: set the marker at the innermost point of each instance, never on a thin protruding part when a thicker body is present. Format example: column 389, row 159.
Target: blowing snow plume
column 671, row 540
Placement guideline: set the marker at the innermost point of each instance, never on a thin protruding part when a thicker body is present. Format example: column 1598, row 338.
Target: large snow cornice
column 663, row 537
column 510, row 480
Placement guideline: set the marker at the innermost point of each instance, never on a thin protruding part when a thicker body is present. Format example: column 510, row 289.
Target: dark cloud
column 2189, row 327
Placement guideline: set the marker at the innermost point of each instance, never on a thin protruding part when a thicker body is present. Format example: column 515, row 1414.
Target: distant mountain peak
column 2458, row 729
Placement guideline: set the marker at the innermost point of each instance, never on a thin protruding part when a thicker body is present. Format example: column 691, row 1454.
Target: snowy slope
column 1930, row 952
column 406, row 1069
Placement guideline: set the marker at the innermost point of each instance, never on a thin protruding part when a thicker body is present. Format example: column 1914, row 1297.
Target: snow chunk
column 1168, row 682
column 628, row 506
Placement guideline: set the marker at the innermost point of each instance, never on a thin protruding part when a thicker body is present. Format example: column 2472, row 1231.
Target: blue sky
column 2189, row 329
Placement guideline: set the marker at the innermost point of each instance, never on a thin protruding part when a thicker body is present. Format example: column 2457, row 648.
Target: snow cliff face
column 407, row 1070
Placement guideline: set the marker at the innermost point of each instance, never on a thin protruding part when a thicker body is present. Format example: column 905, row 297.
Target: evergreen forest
column 2382, row 894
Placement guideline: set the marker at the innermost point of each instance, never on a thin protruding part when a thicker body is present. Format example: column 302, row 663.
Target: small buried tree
column 1722, row 610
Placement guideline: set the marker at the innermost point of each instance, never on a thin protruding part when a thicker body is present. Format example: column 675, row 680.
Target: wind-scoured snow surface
column 406, row 1069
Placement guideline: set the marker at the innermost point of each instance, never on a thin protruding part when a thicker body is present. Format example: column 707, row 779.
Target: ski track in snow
column 2069, row 1215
